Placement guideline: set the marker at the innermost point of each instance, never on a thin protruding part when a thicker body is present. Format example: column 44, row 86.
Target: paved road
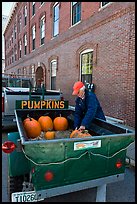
column 122, row 191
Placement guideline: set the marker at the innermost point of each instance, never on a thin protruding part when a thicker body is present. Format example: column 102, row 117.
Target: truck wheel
column 14, row 185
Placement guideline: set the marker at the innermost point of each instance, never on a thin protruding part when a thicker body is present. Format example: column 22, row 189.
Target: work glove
column 81, row 128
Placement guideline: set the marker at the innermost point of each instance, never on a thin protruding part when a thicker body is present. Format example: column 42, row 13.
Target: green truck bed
column 69, row 164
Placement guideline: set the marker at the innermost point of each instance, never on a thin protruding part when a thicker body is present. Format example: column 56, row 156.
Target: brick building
column 58, row 43
column 4, row 21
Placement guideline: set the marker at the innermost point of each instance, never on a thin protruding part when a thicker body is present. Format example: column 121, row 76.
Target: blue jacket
column 87, row 109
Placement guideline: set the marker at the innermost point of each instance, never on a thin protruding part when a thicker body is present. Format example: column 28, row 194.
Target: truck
column 42, row 168
column 19, row 88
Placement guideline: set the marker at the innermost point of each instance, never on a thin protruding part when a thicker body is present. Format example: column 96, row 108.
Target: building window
column 53, row 68
column 76, row 12
column 86, row 63
column 104, row 4
column 12, row 37
column 25, row 44
column 15, row 31
column 30, row 72
column 12, row 56
column 25, row 15
column 19, row 24
column 5, row 44
column 15, row 55
column 33, row 37
column 33, row 8
column 42, row 30
column 55, row 19
column 24, row 71
column 18, row 71
column 20, row 49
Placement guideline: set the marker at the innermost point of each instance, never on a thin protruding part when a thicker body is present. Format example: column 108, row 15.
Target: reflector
column 119, row 164
column 48, row 176
column 8, row 147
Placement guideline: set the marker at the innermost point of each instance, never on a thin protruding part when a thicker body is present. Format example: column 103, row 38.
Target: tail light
column 2, row 103
column 119, row 164
column 33, row 170
column 8, row 147
column 48, row 176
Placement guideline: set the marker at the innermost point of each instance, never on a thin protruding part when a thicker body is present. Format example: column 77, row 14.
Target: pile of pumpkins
column 34, row 127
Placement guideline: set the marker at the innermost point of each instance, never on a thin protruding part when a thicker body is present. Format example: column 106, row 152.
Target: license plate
column 30, row 196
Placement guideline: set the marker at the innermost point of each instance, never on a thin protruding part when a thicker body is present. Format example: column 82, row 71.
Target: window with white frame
column 33, row 8
column 33, row 37
column 12, row 55
column 42, row 30
column 53, row 69
column 25, row 44
column 33, row 70
column 19, row 24
column 56, row 19
column 86, row 65
column 76, row 12
column 104, row 4
column 25, row 15
column 20, row 47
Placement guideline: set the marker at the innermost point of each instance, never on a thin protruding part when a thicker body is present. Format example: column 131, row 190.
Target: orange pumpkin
column 32, row 128
column 49, row 135
column 60, row 123
column 74, row 133
column 79, row 134
column 46, row 123
column 27, row 119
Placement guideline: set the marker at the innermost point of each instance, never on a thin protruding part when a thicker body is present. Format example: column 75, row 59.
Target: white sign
column 87, row 144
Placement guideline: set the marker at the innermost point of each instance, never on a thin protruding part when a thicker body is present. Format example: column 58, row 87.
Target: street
column 122, row 191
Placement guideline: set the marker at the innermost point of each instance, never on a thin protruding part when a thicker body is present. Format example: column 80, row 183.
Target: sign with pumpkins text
column 41, row 104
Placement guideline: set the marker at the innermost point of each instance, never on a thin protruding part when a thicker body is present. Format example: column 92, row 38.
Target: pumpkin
column 32, row 128
column 79, row 134
column 60, row 123
column 27, row 119
column 46, row 123
column 49, row 135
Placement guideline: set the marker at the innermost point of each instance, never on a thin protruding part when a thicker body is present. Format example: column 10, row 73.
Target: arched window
column 86, row 65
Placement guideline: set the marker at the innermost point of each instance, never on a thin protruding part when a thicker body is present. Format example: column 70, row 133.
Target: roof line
column 10, row 15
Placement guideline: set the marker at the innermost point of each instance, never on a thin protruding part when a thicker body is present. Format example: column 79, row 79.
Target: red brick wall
column 110, row 32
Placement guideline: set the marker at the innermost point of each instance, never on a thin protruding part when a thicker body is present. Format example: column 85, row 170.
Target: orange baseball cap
column 78, row 85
